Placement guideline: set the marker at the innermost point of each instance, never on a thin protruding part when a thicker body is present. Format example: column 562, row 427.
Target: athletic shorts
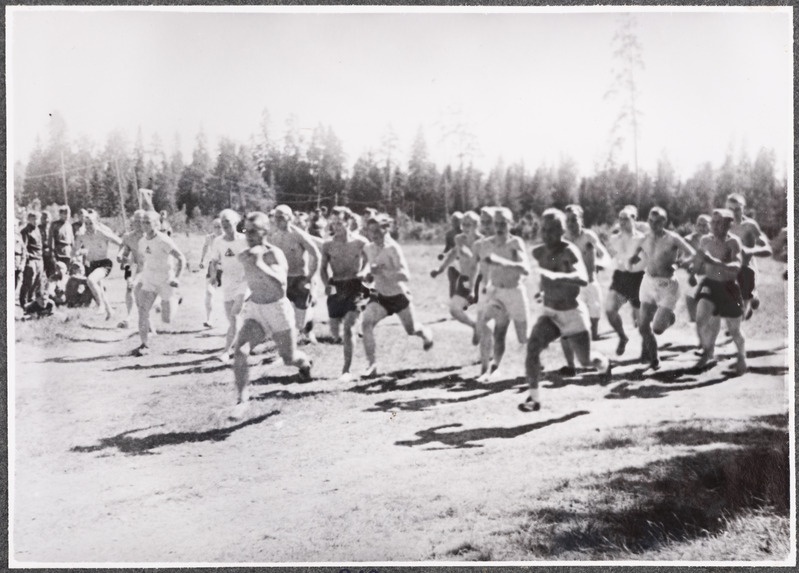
column 461, row 288
column 746, row 280
column 273, row 317
column 662, row 292
column 569, row 322
column 453, row 275
column 128, row 272
column 158, row 284
column 218, row 276
column 512, row 301
column 392, row 304
column 591, row 295
column 230, row 291
column 298, row 291
column 105, row 264
column 627, row 284
column 725, row 296
column 347, row 296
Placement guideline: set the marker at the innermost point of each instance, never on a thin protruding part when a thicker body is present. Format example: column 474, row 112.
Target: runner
column 564, row 315
column 62, row 236
column 755, row 244
column 482, row 334
column 389, row 270
column 158, row 277
column 592, row 251
column 701, row 228
column 659, row 290
column 224, row 260
column 449, row 244
column 267, row 310
column 345, row 253
column 93, row 244
column 626, row 278
column 302, row 256
column 719, row 295
column 211, row 281
column 130, row 259
column 505, row 296
column 460, row 297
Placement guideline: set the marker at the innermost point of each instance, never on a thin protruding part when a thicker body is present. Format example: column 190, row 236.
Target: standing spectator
column 32, row 273
column 47, row 252
column 61, row 237
column 19, row 253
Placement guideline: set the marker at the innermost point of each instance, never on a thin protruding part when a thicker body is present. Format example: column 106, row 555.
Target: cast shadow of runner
column 143, row 446
column 465, row 438
column 392, row 381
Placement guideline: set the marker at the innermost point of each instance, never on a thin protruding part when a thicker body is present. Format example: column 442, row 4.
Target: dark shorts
column 63, row 259
column 105, row 264
column 392, row 304
column 128, row 272
column 628, row 284
column 461, row 288
column 298, row 291
column 218, row 275
column 453, row 275
column 350, row 296
column 746, row 280
column 725, row 296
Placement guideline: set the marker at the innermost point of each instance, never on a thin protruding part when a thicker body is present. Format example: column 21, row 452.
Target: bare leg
column 209, row 303
column 649, row 345
column 544, row 332
column 251, row 334
column 373, row 314
column 614, row 302
column 734, row 326
column 707, row 327
column 457, row 306
column 413, row 327
column 94, row 280
column 144, row 301
column 349, row 339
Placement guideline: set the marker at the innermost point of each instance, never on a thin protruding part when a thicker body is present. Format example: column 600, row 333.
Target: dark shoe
column 529, row 405
column 305, row 372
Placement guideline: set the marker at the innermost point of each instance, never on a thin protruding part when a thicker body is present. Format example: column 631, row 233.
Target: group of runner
column 265, row 266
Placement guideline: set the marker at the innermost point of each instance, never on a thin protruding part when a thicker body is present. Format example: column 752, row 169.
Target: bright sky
column 528, row 84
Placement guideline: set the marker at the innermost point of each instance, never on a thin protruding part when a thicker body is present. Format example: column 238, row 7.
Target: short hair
column 703, row 217
column 487, row 211
column 380, row 219
column 92, row 214
column 258, row 218
column 553, row 214
column 152, row 216
column 724, row 214
column 33, row 214
column 456, row 215
column 63, row 209
column 471, row 216
column 632, row 209
column 216, row 221
column 343, row 212
column 574, row 209
column 659, row 211
column 505, row 213
column 231, row 215
column 284, row 210
column 738, row 198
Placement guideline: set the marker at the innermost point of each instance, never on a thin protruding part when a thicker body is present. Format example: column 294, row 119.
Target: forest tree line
column 306, row 172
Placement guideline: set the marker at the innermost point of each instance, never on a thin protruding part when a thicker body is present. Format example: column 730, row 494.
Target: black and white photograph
column 369, row 286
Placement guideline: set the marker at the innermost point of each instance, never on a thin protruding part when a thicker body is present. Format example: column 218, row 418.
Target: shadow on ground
column 467, row 438
column 674, row 500
column 144, row 445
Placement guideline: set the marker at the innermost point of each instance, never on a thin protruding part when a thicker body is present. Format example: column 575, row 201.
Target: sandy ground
column 123, row 459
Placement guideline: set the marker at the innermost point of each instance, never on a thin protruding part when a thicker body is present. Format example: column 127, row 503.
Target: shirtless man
column 344, row 254
column 449, row 244
column 506, row 299
column 591, row 250
column 659, row 290
column 302, row 256
column 626, row 278
column 62, row 236
column 482, row 334
column 93, row 245
column 564, row 315
column 701, row 228
column 755, row 244
column 158, row 277
column 719, row 295
column 389, row 270
column 211, row 281
column 130, row 259
column 266, row 311
column 224, row 259
column 461, row 296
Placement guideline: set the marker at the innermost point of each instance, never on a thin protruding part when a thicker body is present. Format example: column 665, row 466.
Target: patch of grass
column 637, row 512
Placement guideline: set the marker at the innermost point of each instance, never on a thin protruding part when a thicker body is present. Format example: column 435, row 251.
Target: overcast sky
column 529, row 85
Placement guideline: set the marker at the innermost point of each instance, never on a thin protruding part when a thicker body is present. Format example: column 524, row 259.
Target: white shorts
column 569, row 322
column 274, row 317
column 157, row 284
column 591, row 295
column 230, row 292
column 512, row 301
column 662, row 292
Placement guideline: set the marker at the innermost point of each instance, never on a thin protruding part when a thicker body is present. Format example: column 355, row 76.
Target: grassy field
column 120, row 459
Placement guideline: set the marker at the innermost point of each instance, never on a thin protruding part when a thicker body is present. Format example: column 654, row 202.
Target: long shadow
column 92, row 340
column 182, row 351
column 624, row 390
column 676, row 500
column 286, row 395
column 195, row 370
column 392, row 381
column 68, row 360
column 144, row 445
column 584, row 378
column 107, row 328
column 283, row 380
column 466, row 438
column 155, row 366
column 451, row 384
